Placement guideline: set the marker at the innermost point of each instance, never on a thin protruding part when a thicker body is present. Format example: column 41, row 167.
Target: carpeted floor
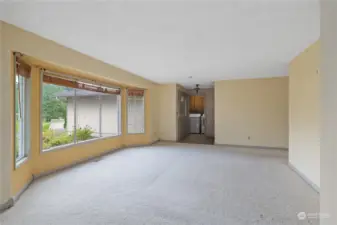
column 198, row 139
column 176, row 184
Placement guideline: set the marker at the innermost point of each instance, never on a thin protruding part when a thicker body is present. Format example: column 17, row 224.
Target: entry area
column 200, row 117
column 175, row 184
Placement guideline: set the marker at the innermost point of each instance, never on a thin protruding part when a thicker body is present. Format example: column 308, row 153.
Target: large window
column 74, row 111
column 58, row 106
column 22, row 111
column 136, row 121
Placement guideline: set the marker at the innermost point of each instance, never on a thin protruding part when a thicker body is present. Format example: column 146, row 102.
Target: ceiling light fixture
column 197, row 88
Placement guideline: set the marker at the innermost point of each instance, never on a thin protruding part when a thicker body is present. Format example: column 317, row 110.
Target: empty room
column 168, row 112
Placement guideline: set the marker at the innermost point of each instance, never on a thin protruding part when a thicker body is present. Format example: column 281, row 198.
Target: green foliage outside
column 83, row 134
column 45, row 126
column 51, row 139
column 52, row 106
column 55, row 108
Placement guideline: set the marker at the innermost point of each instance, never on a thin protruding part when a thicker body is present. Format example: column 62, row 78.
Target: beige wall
column 209, row 112
column 255, row 108
column 328, row 90
column 168, row 112
column 154, row 96
column 304, row 113
column 4, row 189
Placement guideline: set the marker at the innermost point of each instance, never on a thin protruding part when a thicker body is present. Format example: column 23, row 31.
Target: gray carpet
column 176, row 184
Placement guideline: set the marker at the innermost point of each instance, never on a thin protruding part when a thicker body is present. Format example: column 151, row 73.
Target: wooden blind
column 23, row 69
column 135, row 92
column 79, row 85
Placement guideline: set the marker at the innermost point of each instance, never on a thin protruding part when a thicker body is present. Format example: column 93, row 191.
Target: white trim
column 251, row 146
column 304, row 177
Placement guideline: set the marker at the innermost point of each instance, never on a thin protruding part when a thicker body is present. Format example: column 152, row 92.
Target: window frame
column 127, row 113
column 75, row 143
column 26, row 122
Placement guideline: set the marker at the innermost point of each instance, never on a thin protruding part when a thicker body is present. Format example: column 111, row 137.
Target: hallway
column 198, row 139
column 170, row 184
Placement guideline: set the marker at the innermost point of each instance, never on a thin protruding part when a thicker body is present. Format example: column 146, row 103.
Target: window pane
column 87, row 115
column 73, row 115
column 22, row 98
column 135, row 114
column 111, row 115
column 57, row 115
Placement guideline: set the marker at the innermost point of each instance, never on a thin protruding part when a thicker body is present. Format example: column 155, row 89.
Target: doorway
column 198, row 105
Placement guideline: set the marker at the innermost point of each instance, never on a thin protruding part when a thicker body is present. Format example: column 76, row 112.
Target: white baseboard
column 251, row 146
column 304, row 177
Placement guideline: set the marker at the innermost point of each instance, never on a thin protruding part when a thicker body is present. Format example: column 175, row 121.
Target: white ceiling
column 168, row 41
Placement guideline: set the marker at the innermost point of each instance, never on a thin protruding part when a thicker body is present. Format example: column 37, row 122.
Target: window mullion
column 23, row 118
column 100, row 115
column 26, row 115
column 75, row 116
column 41, row 110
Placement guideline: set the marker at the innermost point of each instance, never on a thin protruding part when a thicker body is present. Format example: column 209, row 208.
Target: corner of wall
column 304, row 114
column 13, row 38
column 5, row 155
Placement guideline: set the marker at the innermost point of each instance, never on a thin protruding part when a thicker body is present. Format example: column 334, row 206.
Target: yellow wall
column 168, row 112
column 15, row 39
column 255, row 108
column 3, row 190
column 154, row 95
column 304, row 113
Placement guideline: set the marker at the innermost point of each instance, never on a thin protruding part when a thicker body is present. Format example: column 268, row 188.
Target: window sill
column 62, row 147
column 20, row 162
column 135, row 133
